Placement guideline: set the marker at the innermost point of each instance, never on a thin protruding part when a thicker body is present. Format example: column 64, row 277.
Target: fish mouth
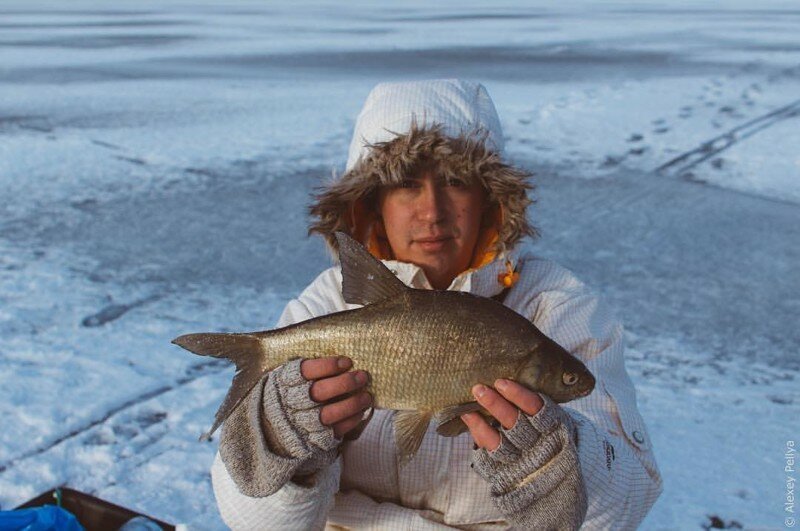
column 590, row 385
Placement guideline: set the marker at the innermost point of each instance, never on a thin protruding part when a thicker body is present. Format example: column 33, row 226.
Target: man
column 426, row 190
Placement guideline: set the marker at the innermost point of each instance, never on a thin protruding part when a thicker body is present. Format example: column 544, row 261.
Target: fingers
column 519, row 395
column 484, row 435
column 324, row 367
column 504, row 404
column 343, row 384
column 342, row 427
column 343, row 409
column 496, row 405
column 332, row 378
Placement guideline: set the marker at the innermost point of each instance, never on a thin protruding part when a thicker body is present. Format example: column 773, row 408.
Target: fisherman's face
column 432, row 223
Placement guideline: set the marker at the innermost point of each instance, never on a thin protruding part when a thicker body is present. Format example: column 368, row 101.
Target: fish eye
column 570, row 378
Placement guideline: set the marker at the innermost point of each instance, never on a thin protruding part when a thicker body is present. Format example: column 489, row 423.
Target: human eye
column 456, row 182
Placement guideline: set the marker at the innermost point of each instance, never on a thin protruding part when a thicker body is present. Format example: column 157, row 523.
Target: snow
column 156, row 159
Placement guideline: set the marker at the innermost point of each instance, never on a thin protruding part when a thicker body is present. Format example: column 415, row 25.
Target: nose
column 431, row 203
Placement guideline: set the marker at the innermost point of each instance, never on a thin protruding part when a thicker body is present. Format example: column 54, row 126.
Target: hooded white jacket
column 366, row 489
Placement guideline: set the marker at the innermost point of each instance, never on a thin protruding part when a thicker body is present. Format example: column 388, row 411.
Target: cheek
column 396, row 220
column 463, row 221
column 470, row 215
column 394, row 215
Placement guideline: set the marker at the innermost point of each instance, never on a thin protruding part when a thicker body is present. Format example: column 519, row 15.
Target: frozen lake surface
column 156, row 160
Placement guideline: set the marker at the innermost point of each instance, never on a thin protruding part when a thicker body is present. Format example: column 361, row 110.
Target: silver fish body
column 424, row 349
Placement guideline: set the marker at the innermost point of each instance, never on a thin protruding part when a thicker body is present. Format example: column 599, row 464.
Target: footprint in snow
column 86, row 205
column 635, row 137
column 145, row 419
column 782, row 400
column 637, row 151
column 611, row 161
column 108, row 145
column 715, row 522
column 691, row 176
column 101, row 437
column 132, row 435
column 133, row 160
column 125, row 431
column 661, row 126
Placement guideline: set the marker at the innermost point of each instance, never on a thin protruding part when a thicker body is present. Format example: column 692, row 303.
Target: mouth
column 433, row 243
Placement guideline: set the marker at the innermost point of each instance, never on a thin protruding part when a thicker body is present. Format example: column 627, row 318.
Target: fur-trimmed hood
column 349, row 203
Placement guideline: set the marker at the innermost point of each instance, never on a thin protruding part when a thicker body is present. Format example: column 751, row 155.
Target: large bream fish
column 424, row 349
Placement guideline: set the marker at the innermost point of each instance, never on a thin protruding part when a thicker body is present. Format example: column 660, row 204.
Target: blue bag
column 45, row 518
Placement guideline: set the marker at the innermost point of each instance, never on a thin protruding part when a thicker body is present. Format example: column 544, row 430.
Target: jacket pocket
column 634, row 431
column 624, row 401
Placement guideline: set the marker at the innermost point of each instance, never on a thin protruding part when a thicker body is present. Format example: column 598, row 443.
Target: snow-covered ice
column 156, row 159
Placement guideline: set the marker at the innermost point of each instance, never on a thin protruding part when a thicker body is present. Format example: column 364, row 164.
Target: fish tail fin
column 246, row 351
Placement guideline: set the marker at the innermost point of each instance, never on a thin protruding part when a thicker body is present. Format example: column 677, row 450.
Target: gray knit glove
column 275, row 434
column 534, row 475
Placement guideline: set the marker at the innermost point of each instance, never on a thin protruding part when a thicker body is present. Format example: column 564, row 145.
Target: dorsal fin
column 365, row 279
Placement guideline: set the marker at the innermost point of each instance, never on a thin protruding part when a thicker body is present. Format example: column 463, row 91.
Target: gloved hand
column 280, row 432
column 534, row 474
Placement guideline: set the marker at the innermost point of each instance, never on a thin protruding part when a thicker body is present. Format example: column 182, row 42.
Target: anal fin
column 409, row 430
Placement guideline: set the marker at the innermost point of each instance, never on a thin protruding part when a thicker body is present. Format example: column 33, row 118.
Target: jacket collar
column 482, row 281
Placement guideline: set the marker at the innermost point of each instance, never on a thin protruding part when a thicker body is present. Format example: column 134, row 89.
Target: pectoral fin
column 409, row 429
column 448, row 421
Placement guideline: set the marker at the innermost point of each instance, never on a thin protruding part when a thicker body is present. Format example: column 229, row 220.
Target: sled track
column 689, row 159
column 195, row 372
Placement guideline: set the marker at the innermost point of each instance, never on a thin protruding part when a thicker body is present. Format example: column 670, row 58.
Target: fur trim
column 348, row 204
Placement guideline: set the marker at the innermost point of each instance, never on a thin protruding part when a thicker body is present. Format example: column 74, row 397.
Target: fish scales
column 411, row 367
column 424, row 349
